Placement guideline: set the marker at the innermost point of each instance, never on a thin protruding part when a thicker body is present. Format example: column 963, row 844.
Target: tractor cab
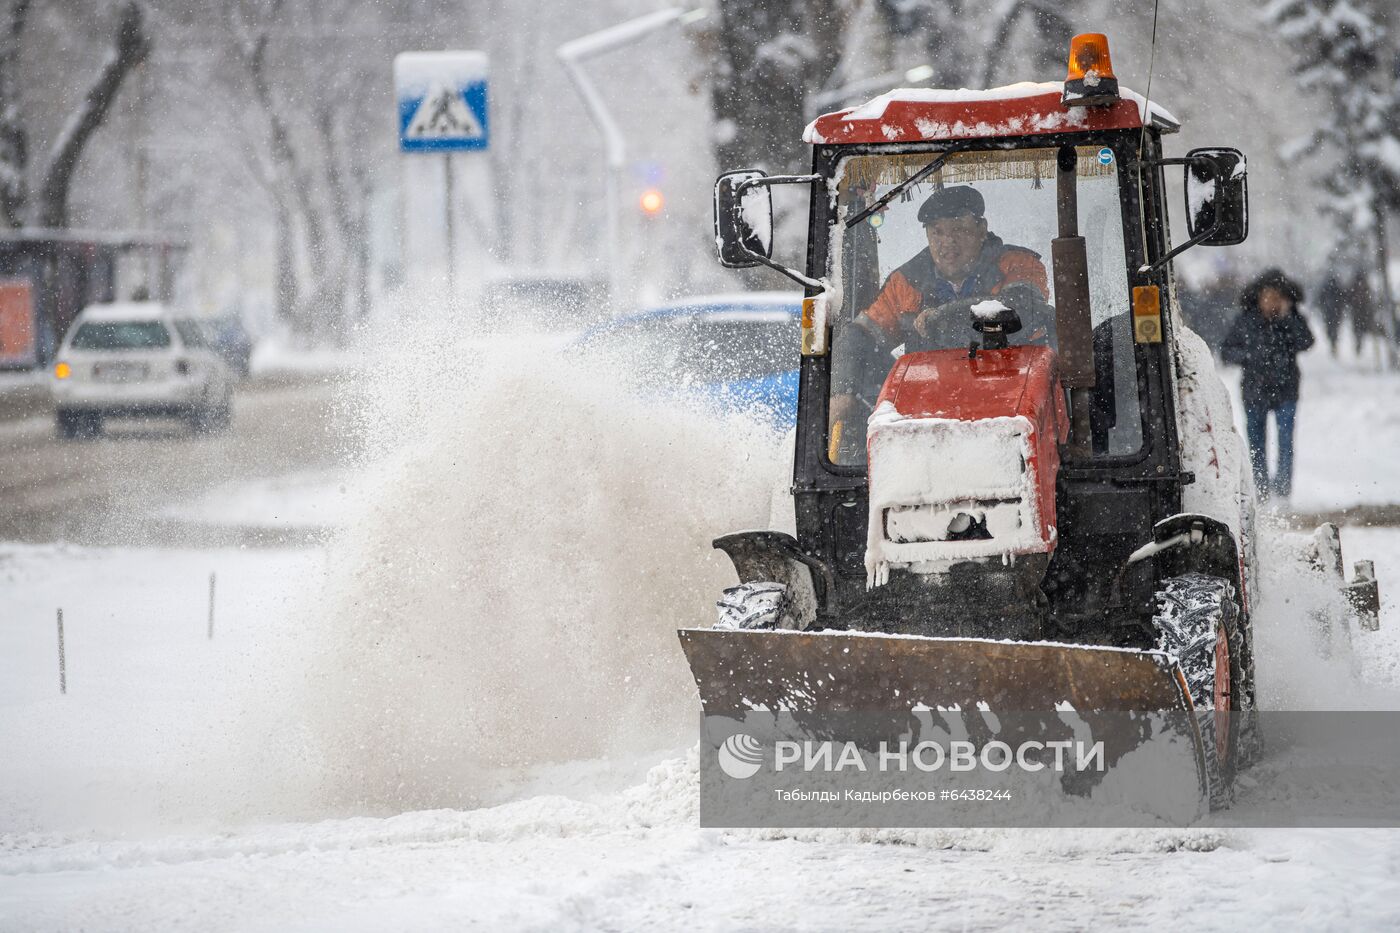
column 984, row 262
column 1016, row 480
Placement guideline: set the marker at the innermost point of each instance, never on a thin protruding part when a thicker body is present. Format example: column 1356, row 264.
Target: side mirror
column 743, row 219
column 1217, row 196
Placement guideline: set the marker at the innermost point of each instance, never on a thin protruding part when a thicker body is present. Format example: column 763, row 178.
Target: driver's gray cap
column 951, row 202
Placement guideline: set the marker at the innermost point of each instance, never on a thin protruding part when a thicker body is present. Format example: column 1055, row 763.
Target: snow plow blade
column 852, row 672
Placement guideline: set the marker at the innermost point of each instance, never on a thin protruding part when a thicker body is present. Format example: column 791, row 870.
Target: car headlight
column 62, row 371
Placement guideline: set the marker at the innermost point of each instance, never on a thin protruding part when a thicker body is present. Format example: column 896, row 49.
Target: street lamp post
column 571, row 55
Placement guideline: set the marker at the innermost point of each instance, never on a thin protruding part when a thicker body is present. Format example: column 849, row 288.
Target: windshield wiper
column 914, row 179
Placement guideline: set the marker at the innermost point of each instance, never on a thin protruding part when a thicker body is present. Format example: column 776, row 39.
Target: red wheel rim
column 1222, row 694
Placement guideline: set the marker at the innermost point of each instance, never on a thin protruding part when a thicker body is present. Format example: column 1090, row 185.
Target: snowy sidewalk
column 318, row 763
column 24, row 394
column 1347, row 434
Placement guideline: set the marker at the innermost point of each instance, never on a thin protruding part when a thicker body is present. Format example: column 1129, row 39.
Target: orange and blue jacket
column 917, row 284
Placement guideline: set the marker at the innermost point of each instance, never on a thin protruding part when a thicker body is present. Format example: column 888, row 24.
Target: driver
column 930, row 297
column 964, row 264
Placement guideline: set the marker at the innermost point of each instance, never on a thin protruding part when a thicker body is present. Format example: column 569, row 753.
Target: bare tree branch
column 254, row 58
column 341, row 208
column 1004, row 17
column 14, row 141
column 130, row 47
column 260, row 171
column 770, row 57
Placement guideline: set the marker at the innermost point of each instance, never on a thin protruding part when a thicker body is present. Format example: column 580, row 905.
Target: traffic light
column 652, row 202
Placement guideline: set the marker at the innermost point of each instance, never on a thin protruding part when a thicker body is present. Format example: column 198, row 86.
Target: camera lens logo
column 740, row 756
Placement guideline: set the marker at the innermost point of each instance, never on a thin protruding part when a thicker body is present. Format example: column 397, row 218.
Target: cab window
column 978, row 228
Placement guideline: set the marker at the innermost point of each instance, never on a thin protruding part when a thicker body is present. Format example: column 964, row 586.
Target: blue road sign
column 442, row 101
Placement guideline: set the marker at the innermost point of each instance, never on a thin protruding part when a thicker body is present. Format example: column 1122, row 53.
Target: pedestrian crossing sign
column 441, row 101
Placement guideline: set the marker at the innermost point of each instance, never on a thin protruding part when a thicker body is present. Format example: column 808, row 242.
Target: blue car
column 739, row 351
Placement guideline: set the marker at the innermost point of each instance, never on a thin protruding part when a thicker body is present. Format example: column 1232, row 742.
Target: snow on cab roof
column 921, row 114
column 126, row 311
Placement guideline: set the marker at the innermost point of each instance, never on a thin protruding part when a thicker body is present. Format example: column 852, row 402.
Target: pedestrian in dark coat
column 1265, row 340
column 1332, row 301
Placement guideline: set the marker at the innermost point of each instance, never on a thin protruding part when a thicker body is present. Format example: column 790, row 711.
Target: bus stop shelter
column 47, row 276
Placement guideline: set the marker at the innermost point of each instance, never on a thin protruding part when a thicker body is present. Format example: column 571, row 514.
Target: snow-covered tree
column 47, row 204
column 768, row 58
column 1344, row 53
column 773, row 57
column 938, row 29
column 307, row 91
column 967, row 43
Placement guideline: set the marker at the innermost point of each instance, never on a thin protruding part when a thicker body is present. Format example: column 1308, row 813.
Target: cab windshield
column 978, row 229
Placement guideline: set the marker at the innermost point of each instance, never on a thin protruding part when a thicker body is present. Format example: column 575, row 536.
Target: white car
column 138, row 360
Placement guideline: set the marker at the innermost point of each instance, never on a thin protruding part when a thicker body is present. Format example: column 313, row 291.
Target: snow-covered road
column 553, row 864
column 111, row 490
column 162, row 793
column 372, row 739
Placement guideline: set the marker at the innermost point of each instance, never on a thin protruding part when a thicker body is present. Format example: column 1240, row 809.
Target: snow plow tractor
column 1017, row 484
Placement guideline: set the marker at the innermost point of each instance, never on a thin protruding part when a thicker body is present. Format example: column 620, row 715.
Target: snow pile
column 1309, row 654
column 532, row 536
column 311, row 500
column 666, row 799
column 161, row 724
column 495, row 616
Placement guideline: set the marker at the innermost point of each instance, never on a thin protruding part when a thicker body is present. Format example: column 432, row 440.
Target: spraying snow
column 532, row 536
column 497, row 620
column 513, row 559
column 1309, row 653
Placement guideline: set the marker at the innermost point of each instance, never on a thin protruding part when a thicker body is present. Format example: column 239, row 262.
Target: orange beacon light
column 1090, row 81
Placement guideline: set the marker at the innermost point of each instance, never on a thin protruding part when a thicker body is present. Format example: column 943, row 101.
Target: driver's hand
column 929, row 320
column 1036, row 314
column 921, row 321
column 843, row 408
column 846, row 429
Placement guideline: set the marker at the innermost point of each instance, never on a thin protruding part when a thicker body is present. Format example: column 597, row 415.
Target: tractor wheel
column 1198, row 621
column 209, row 420
column 223, row 415
column 78, row 424
column 69, row 424
column 759, row 605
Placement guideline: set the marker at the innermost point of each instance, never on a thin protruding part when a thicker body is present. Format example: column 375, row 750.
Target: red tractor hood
column 994, row 384
column 952, row 435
